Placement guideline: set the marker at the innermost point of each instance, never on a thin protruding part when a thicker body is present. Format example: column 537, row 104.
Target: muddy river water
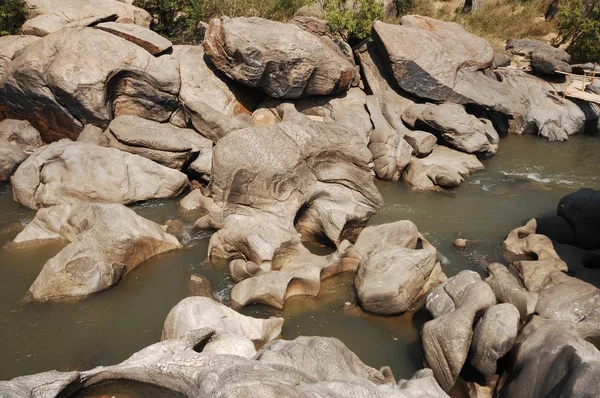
column 526, row 178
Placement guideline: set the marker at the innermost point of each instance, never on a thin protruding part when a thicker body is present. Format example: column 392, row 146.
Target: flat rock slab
column 281, row 59
column 143, row 37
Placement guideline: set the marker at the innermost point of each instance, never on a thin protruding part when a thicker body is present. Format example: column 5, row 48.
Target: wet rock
column 143, row 37
column 391, row 279
column 194, row 313
column 163, row 143
column 460, row 244
column 535, row 272
column 459, row 129
column 426, row 54
column 18, row 139
column 199, row 285
column 47, row 16
column 447, row 338
column 74, row 172
column 86, row 76
column 443, row 168
column 580, row 210
column 508, row 290
column 569, row 366
column 106, row 242
column 494, row 336
column 12, row 45
column 289, row 63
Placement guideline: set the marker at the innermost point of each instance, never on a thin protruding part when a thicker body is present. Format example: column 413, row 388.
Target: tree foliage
column 12, row 16
column 579, row 26
column 352, row 19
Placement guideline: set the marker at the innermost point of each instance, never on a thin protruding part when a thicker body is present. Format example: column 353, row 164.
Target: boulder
column 106, row 241
column 199, row 285
column 11, row 46
column 580, row 210
column 402, row 233
column 493, row 337
column 457, row 128
column 18, row 139
column 48, row 16
column 529, row 47
column 150, row 41
column 426, row 55
column 73, row 172
column 508, row 290
column 443, row 168
column 201, row 312
column 90, row 134
column 163, row 143
column 281, row 59
column 569, row 366
column 314, row 25
column 501, row 60
column 86, row 76
column 446, row 339
column 543, row 63
column 391, row 279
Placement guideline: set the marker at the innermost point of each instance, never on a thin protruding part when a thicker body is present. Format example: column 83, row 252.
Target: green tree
column 352, row 19
column 579, row 26
column 177, row 20
column 12, row 16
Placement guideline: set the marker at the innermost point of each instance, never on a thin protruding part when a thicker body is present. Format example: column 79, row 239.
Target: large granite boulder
column 74, row 172
column 149, row 40
column 202, row 312
column 281, row 59
column 18, row 140
column 508, row 289
column 550, row 360
column 188, row 366
column 580, row 210
column 544, row 58
column 443, row 168
column 48, row 16
column 163, row 143
column 106, row 241
column 427, row 55
column 84, row 76
column 446, row 339
column 12, row 45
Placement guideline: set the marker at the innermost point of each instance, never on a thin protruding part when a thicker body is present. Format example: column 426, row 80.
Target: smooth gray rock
column 402, row 233
column 11, row 46
column 18, row 139
column 529, row 47
column 544, row 63
column 508, row 290
column 84, row 76
column 281, row 59
column 74, row 172
column 106, row 241
column 48, row 16
column 580, row 210
column 143, row 37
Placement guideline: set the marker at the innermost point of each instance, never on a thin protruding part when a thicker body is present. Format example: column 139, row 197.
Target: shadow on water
column 525, row 179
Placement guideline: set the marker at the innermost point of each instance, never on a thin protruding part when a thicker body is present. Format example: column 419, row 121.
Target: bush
column 178, row 20
column 579, row 26
column 12, row 16
column 352, row 19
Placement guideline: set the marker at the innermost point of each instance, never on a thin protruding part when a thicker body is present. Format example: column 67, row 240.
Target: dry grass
column 497, row 21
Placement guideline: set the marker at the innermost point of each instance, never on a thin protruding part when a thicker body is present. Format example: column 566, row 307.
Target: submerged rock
column 74, row 172
column 105, row 243
column 84, row 76
column 48, row 16
column 281, row 59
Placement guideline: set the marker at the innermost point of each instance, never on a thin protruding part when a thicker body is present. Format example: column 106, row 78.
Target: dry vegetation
column 497, row 21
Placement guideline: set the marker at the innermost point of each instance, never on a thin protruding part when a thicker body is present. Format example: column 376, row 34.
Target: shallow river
column 526, row 178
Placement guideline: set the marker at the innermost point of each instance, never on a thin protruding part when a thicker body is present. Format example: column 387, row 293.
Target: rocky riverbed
column 343, row 211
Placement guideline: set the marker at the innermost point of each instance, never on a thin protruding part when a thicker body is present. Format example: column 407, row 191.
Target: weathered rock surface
column 163, row 143
column 48, row 16
column 106, row 242
column 86, row 76
column 402, row 233
column 73, row 172
column 447, row 338
column 580, row 210
column 443, row 168
column 508, row 290
column 544, row 63
column 281, row 59
column 391, row 279
column 201, row 312
column 552, row 360
column 426, row 55
column 199, row 285
column 494, row 336
column 459, row 129
column 18, row 140
column 12, row 45
column 143, row 37
column 544, row 58
column 176, row 364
